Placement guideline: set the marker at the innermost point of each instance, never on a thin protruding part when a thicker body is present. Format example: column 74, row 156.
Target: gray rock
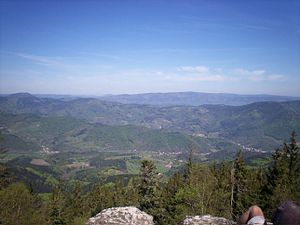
column 121, row 216
column 206, row 220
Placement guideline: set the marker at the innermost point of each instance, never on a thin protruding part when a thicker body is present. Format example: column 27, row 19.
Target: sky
column 98, row 47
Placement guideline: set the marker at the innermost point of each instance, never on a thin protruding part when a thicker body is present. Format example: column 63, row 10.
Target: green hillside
column 67, row 134
column 261, row 125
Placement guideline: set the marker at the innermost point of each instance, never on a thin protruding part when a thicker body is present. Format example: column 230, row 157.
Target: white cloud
column 256, row 75
column 195, row 69
column 47, row 61
column 275, row 77
column 209, row 78
column 249, row 72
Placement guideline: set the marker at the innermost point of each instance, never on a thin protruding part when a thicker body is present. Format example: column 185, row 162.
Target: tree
column 222, row 191
column 74, row 208
column 131, row 192
column 189, row 166
column 148, row 188
column 168, row 200
column 101, row 197
column 57, row 205
column 283, row 180
column 196, row 196
column 5, row 175
column 19, row 207
column 238, row 186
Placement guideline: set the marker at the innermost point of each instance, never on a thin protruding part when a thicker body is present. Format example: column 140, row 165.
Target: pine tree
column 19, row 207
column 101, row 197
column 57, row 216
column 131, row 192
column 189, row 167
column 238, row 187
column 221, row 195
column 168, row 198
column 283, row 180
column 148, row 188
column 75, row 203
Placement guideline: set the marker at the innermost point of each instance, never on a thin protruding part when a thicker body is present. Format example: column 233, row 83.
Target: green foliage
column 148, row 187
column 238, row 187
column 225, row 189
column 28, row 133
column 222, row 190
column 19, row 207
column 262, row 124
column 283, row 180
column 196, row 196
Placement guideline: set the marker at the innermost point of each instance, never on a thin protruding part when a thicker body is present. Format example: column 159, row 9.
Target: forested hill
column 194, row 98
column 260, row 125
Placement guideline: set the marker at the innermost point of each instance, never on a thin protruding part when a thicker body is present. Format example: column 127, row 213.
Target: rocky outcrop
column 121, row 216
column 206, row 220
column 133, row 216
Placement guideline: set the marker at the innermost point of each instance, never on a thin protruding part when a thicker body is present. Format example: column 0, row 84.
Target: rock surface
column 206, row 220
column 121, row 216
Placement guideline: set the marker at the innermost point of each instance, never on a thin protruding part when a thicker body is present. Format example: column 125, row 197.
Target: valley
column 95, row 141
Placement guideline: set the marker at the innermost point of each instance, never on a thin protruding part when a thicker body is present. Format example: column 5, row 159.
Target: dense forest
column 225, row 189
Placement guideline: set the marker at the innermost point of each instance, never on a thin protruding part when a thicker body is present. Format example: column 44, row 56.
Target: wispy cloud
column 195, row 69
column 205, row 73
column 216, row 78
column 196, row 50
column 198, row 73
column 256, row 75
column 167, row 29
column 109, row 56
column 52, row 62
column 71, row 64
column 221, row 23
column 47, row 61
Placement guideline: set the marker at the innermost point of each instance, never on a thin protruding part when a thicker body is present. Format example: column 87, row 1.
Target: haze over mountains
column 177, row 98
column 194, row 98
column 261, row 125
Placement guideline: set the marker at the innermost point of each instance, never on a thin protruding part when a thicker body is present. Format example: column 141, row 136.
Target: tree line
column 226, row 189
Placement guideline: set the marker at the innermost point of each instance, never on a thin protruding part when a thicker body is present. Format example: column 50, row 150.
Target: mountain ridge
column 194, row 98
column 260, row 125
column 187, row 98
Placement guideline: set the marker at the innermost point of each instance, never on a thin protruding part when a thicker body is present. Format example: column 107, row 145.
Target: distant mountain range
column 194, row 98
column 176, row 98
column 28, row 132
column 261, row 125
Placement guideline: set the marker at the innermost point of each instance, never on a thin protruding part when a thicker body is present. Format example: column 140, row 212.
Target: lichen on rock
column 121, row 216
column 206, row 220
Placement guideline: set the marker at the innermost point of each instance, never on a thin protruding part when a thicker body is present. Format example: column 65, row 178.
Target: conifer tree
column 148, row 188
column 169, row 202
column 221, row 195
column 19, row 207
column 57, row 204
column 283, row 180
column 189, row 167
column 238, row 186
column 131, row 192
column 75, row 203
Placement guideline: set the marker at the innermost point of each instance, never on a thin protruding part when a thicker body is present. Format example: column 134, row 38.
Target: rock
column 121, row 216
column 206, row 220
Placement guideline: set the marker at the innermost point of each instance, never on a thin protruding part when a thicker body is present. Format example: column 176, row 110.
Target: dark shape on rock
column 206, row 220
column 121, row 216
column 288, row 213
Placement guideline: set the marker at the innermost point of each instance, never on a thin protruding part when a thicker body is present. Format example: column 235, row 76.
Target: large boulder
column 206, row 220
column 121, row 216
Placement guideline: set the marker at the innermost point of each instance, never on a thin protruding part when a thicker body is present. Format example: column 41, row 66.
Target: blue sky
column 111, row 47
